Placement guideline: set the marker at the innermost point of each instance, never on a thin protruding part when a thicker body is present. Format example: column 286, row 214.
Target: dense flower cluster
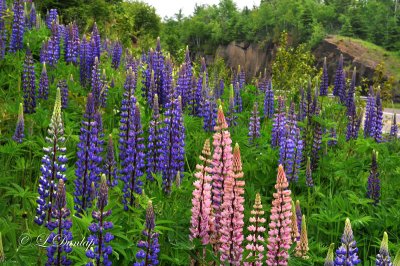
column 350, row 101
column 378, row 118
column 85, row 61
column 19, row 129
column 29, row 83
column 52, row 15
column 323, row 89
column 374, row 188
column 116, row 55
column 18, row 26
column 53, row 45
column 62, row 84
column 71, row 43
column 346, row 254
column 370, row 114
column 95, row 38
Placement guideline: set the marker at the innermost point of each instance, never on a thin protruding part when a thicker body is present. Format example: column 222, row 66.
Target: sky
column 171, row 7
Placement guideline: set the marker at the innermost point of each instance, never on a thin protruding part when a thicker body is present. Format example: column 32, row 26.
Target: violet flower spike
column 19, row 130
column 18, row 27
column 29, row 83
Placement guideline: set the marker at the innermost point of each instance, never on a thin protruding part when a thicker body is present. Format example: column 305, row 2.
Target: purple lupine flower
column 316, row 145
column 394, row 128
column 43, row 84
column 53, row 165
column 269, row 101
column 174, row 143
column 110, row 165
column 155, row 143
column 297, row 157
column 3, row 31
column 342, row 92
column 97, row 42
column 351, row 92
column 96, row 83
column 346, row 254
column 237, row 98
column 29, row 83
column 59, row 240
column 104, row 89
column 323, row 89
column 62, row 84
column 333, row 138
column 183, row 83
column 89, row 159
column 157, row 64
column 148, row 248
column 71, row 43
column 220, row 90
column 191, row 99
column 19, row 129
column 202, row 88
column 43, row 52
column 309, row 179
column 373, row 191
column 53, row 45
column 278, row 128
column 299, row 216
column 112, row 83
column 209, row 109
column 134, row 161
column 51, row 16
column 101, row 252
column 32, row 17
column 241, row 77
column 116, row 55
column 314, row 105
column 338, row 88
column 18, row 27
column 84, row 62
column 231, row 116
column 254, row 125
column 167, row 86
column 147, row 77
column 383, row 257
column 370, row 115
column 379, row 118
column 286, row 149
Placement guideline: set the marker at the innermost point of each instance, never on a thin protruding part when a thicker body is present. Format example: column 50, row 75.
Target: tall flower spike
column 32, row 16
column 174, row 143
column 96, row 83
column 148, row 248
column 53, row 165
column 134, row 162
column 329, row 256
column 29, row 83
column 95, row 37
column 44, row 84
column 323, row 89
column 346, row 254
column 102, row 250
column 309, row 179
column 351, row 92
column 269, row 101
column 116, row 55
column 201, row 211
column 383, row 258
column 18, row 26
column 110, row 165
column 370, row 114
column 298, row 215
column 59, row 240
column 84, row 62
column 256, row 230
column 232, row 213
column 302, row 245
column 19, row 129
column 373, row 190
column 279, row 239
column 89, row 159
column 316, row 146
column 53, row 49
column 333, row 138
column 62, row 84
column 394, row 128
column 254, row 125
column 295, row 229
column 51, row 16
column 278, row 128
column 379, row 118
column 222, row 169
column 231, row 115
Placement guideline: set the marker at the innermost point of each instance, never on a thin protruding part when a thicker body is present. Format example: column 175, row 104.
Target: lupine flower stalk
column 155, row 153
column 254, row 125
column 383, row 258
column 255, row 238
column 351, row 92
column 346, row 254
column 370, row 114
column 302, row 245
column 59, row 240
column 43, row 84
column 201, row 211
column 18, row 27
column 53, row 45
column 148, row 248
column 394, row 128
column 222, row 169
column 89, row 159
column 84, row 62
column 269, row 101
column 51, row 16
column 373, row 190
column 237, row 98
column 29, row 83
column 116, row 55
column 53, row 165
column 309, row 179
column 329, row 260
column 323, row 89
column 232, row 213
column 32, row 17
column 231, row 115
column 101, row 239
column 209, row 110
column 19, row 129
column 295, row 232
column 379, row 118
column 278, row 128
column 333, row 137
column 62, row 84
column 316, row 146
column 110, row 165
column 339, row 88
column 71, row 43
column 298, row 215
column 95, row 37
column 279, row 239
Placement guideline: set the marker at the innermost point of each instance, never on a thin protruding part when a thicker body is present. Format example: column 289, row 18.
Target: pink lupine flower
column 256, row 233
column 201, row 210
column 221, row 169
column 279, row 239
column 231, row 224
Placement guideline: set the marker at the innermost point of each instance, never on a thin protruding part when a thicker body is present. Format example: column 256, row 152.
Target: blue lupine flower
column 101, row 252
column 19, row 129
column 309, row 179
column 167, row 86
column 269, row 101
column 59, row 240
column 183, row 83
column 370, row 114
column 84, row 62
column 53, row 45
column 62, row 84
column 97, row 42
column 323, row 89
column 148, row 248
column 104, row 89
column 18, row 27
column 89, row 159
column 374, row 189
column 346, row 254
column 51, row 16
column 116, row 55
column 237, row 98
column 339, row 88
column 53, row 165
column 96, row 83
column 43, row 84
column 254, row 124
column 3, row 31
column 29, row 83
column 316, row 144
column 351, row 92
column 202, row 88
column 379, row 118
column 394, row 128
column 333, row 137
column 278, row 128
column 383, row 258
column 32, row 17
column 231, row 116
